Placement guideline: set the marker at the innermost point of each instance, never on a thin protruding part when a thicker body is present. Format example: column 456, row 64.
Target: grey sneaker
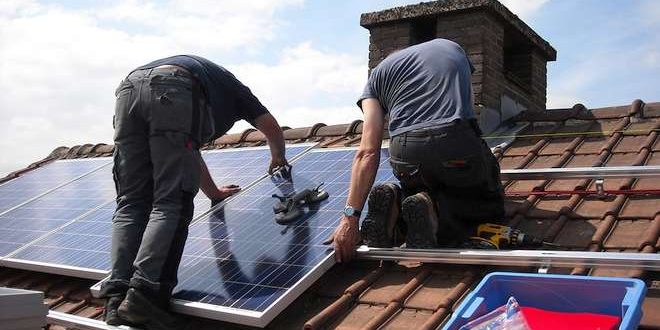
column 422, row 221
column 138, row 309
column 378, row 225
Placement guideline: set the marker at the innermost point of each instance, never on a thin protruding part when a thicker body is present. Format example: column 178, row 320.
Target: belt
column 456, row 125
column 179, row 70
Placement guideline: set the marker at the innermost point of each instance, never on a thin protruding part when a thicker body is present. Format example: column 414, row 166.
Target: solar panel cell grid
column 36, row 218
column 85, row 242
column 38, row 181
column 238, row 257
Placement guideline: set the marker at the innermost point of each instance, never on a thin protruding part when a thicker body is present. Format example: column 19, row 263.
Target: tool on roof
column 289, row 208
column 493, row 236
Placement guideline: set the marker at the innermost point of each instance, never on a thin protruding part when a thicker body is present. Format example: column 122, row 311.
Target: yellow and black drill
column 492, row 236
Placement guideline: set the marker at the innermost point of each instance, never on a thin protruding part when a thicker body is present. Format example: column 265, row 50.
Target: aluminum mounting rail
column 582, row 172
column 81, row 323
column 532, row 258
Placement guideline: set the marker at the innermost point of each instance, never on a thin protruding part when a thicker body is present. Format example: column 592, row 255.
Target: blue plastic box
column 561, row 293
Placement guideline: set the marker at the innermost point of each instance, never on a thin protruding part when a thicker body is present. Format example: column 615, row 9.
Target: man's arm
column 363, row 174
column 209, row 188
column 267, row 124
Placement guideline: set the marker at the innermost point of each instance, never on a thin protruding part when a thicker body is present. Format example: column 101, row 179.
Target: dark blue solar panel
column 32, row 220
column 82, row 243
column 35, row 182
column 238, row 166
column 237, row 256
column 85, row 242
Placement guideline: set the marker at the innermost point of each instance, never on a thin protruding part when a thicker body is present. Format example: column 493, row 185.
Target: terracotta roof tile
column 523, row 146
column 512, row 162
column 386, row 287
column 577, row 233
column 536, row 227
column 557, row 146
column 633, row 143
column 592, row 145
column 439, row 290
column 549, row 207
column 640, row 207
column 650, row 308
column 628, row 234
column 408, row 319
column 358, row 317
column 596, row 207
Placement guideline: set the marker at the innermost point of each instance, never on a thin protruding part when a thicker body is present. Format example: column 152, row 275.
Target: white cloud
column 59, row 66
column 524, row 8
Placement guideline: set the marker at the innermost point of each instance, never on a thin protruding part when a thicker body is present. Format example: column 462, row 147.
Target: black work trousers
column 456, row 167
column 156, row 172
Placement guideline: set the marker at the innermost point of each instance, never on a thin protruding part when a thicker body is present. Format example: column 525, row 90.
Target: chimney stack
column 509, row 57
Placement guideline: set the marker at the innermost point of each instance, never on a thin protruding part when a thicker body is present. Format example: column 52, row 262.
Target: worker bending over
column 164, row 111
column 449, row 178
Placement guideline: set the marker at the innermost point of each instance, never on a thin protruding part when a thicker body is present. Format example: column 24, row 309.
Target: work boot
column 422, row 221
column 383, row 210
column 138, row 309
column 110, row 314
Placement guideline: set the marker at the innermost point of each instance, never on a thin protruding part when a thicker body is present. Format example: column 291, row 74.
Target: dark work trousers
column 457, row 168
column 156, row 172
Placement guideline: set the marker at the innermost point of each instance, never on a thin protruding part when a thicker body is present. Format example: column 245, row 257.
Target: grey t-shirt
column 425, row 85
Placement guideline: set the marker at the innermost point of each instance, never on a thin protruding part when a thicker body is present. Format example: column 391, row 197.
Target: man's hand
column 277, row 163
column 224, row 192
column 345, row 237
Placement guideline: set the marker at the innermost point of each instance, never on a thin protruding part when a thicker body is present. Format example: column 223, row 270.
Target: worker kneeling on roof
column 449, row 177
column 164, row 111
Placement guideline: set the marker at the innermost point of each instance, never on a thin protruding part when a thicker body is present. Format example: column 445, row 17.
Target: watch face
column 349, row 211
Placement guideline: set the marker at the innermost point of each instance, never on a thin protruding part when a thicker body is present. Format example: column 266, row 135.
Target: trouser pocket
column 409, row 174
column 171, row 104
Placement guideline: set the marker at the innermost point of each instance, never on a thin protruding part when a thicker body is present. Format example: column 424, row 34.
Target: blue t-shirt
column 425, row 85
column 228, row 99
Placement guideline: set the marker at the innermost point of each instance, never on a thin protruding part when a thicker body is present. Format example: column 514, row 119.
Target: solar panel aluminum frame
column 54, row 268
column 254, row 318
column 95, row 274
column 56, row 187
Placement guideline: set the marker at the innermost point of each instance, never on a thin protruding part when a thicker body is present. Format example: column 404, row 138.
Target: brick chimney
column 509, row 57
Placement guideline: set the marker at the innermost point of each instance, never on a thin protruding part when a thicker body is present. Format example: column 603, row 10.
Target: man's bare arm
column 363, row 174
column 267, row 124
column 209, row 187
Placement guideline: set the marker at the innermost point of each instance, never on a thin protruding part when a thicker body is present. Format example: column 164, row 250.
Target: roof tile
column 439, row 290
column 538, row 228
column 408, row 319
column 557, row 146
column 596, row 207
column 627, row 234
column 523, row 146
column 592, row 145
column 549, row 207
column 358, row 317
column 386, row 287
column 577, row 233
column 511, row 162
column 640, row 207
column 633, row 143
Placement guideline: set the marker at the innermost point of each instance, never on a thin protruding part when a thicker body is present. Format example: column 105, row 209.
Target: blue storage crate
column 620, row 297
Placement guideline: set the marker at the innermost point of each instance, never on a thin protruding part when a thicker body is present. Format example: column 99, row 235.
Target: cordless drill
column 492, row 236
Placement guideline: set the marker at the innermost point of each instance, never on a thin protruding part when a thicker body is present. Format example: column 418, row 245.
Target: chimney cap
column 423, row 9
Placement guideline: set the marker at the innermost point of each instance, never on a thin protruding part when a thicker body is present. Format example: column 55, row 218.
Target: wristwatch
column 350, row 211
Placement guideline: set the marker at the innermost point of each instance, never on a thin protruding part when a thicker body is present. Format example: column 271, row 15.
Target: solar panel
column 240, row 266
column 38, row 217
column 241, row 166
column 81, row 248
column 36, row 182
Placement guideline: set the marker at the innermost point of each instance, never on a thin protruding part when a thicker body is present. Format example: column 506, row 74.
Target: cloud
column 524, row 8
column 59, row 66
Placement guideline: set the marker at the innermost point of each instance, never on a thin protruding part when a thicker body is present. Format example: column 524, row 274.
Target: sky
column 306, row 60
